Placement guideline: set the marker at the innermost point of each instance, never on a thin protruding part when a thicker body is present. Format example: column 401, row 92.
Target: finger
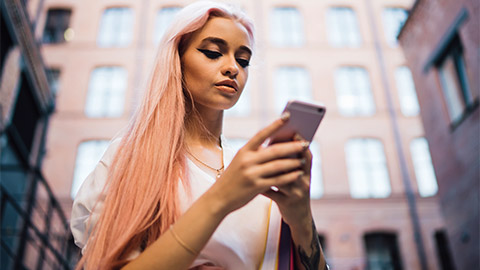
column 278, row 166
column 298, row 137
column 308, row 157
column 276, row 196
column 283, row 179
column 263, row 134
column 280, row 150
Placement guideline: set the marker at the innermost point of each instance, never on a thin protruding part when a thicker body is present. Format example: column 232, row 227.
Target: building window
column 88, row 155
column 406, row 92
column 106, row 92
column 57, row 23
column 354, row 94
column 367, row 169
column 393, row 20
column 27, row 115
column 243, row 105
column 343, row 28
column 424, row 172
column 53, row 75
column 162, row 21
column 286, row 27
column 443, row 251
column 6, row 45
column 382, row 251
column 291, row 83
column 316, row 185
column 454, row 81
column 116, row 28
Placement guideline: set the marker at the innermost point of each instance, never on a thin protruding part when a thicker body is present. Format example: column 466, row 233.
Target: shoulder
column 111, row 151
column 88, row 202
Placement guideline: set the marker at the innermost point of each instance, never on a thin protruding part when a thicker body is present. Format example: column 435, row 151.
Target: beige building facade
column 368, row 204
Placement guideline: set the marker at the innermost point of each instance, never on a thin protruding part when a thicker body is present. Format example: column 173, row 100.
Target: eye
column 210, row 54
column 243, row 62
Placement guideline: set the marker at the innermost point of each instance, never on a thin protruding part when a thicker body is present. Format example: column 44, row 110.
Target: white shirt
column 246, row 239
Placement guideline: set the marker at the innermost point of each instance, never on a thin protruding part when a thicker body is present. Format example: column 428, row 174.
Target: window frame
column 454, row 52
column 356, row 110
column 57, row 29
column 77, row 181
column 417, row 168
column 371, row 194
column 88, row 97
column 159, row 31
column 384, row 236
column 343, row 41
column 404, row 108
column 283, row 39
column 387, row 32
column 117, row 42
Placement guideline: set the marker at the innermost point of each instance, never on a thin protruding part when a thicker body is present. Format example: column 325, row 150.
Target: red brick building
column 441, row 41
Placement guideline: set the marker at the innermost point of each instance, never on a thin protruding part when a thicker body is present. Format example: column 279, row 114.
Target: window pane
column 424, row 172
column 116, row 28
column 452, row 88
column 162, row 21
column 316, row 186
column 343, row 28
column 286, row 27
column 367, row 169
column 393, row 20
column 444, row 253
column 406, row 92
column 382, row 251
column 106, row 92
column 354, row 95
column 57, row 23
column 291, row 83
column 88, row 155
column 53, row 75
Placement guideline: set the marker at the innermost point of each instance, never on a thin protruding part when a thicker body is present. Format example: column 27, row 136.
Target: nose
column 230, row 68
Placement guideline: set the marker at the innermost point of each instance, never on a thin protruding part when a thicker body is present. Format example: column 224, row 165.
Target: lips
column 229, row 84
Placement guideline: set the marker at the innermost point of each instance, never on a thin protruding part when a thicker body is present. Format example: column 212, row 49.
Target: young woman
column 171, row 194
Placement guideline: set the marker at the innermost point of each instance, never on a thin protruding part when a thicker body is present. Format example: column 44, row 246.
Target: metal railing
column 43, row 232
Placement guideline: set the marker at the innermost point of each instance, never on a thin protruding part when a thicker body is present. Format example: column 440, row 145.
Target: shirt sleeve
column 88, row 203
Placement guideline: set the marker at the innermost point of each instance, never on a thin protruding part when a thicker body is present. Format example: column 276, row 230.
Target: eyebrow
column 222, row 43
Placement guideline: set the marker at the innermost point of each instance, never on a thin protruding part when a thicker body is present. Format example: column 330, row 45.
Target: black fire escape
column 34, row 230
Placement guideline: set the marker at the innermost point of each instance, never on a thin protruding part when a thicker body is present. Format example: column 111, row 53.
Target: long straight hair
column 141, row 194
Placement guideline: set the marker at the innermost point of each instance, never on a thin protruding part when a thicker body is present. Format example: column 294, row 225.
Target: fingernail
column 305, row 144
column 303, row 161
column 285, row 116
column 299, row 137
column 302, row 173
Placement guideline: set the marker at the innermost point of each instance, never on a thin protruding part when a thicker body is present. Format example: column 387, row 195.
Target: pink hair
column 142, row 199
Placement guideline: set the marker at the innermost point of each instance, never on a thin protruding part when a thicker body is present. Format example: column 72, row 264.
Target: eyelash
column 214, row 55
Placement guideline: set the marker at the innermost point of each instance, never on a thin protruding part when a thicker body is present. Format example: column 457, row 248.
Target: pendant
column 219, row 173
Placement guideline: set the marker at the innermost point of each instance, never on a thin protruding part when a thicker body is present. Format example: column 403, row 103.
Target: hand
column 255, row 168
column 293, row 199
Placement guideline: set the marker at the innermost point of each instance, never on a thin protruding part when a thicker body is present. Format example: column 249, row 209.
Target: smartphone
column 305, row 117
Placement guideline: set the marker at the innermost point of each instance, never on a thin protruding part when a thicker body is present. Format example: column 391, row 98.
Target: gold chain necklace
column 219, row 170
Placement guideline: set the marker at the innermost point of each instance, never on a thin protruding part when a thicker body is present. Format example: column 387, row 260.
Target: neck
column 205, row 129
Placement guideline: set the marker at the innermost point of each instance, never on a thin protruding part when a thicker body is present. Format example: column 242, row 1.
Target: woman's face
column 215, row 63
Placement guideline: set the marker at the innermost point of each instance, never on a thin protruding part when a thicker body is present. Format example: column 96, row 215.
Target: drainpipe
column 412, row 207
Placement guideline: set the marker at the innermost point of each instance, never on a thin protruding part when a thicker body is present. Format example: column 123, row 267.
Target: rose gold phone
column 304, row 119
